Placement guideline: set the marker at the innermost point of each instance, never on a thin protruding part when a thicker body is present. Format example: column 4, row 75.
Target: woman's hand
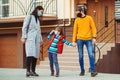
column 23, row 40
column 41, row 43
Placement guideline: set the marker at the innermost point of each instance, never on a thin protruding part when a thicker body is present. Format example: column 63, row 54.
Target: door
column 8, row 51
column 102, row 13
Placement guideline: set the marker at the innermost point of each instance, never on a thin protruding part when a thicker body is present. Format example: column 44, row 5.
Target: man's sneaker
column 93, row 74
column 82, row 73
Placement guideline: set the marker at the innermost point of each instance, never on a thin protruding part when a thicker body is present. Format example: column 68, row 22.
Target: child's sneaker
column 82, row 73
column 57, row 75
column 52, row 73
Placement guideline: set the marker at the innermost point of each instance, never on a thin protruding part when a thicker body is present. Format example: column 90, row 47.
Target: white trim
column 0, row 8
column 5, row 4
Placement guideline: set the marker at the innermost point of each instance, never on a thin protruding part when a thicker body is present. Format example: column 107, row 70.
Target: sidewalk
column 19, row 74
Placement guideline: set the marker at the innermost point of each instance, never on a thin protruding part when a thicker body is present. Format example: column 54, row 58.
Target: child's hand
column 52, row 31
column 74, row 44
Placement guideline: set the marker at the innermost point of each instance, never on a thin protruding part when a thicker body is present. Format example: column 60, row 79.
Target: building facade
column 56, row 12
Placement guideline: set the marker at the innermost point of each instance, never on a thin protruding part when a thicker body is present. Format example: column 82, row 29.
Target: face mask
column 79, row 15
column 55, row 32
column 39, row 14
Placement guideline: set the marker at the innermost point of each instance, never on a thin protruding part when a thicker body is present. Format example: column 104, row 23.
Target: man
column 84, row 33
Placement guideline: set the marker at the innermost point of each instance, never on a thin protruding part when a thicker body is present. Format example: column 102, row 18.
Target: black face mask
column 79, row 15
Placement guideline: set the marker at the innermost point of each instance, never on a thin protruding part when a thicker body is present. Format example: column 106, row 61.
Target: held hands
column 74, row 44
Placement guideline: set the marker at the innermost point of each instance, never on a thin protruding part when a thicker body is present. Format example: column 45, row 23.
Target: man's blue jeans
column 90, row 49
column 53, row 61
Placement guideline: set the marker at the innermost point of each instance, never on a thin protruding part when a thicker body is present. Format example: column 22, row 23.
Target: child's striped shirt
column 53, row 46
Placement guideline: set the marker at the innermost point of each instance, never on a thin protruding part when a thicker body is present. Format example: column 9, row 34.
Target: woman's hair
column 35, row 11
column 59, row 29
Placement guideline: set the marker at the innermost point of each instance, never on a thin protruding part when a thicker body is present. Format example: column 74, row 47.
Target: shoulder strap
column 28, row 24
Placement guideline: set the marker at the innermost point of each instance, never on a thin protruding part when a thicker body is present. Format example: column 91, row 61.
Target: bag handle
column 28, row 24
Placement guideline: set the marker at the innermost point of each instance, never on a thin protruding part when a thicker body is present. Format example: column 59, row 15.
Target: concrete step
column 65, row 59
column 70, row 55
column 70, row 68
column 85, row 54
column 69, row 60
column 62, row 63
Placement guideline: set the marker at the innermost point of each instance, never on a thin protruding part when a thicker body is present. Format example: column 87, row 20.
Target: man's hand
column 74, row 44
column 93, row 41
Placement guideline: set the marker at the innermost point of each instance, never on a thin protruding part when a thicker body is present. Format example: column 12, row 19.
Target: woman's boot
column 34, row 60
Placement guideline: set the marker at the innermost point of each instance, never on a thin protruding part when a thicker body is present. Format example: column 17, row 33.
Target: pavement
column 44, row 74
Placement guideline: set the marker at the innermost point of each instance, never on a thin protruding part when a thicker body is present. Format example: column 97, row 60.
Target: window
column 5, row 1
column 4, row 8
column 0, row 8
column 5, row 11
column 106, row 16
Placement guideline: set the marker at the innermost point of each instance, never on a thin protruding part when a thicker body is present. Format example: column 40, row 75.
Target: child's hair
column 59, row 29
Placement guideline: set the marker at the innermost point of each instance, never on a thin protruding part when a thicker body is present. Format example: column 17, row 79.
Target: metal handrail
column 104, row 32
column 99, row 48
column 105, row 25
column 106, row 36
column 48, row 5
column 95, row 46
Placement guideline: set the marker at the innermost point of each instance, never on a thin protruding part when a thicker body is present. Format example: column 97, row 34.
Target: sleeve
column 75, row 31
column 66, row 42
column 24, row 28
column 49, row 36
column 94, row 31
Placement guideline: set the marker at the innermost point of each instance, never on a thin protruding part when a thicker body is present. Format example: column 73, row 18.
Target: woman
column 32, row 38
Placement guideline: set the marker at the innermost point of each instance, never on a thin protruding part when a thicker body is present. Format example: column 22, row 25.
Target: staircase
column 110, row 63
column 69, row 59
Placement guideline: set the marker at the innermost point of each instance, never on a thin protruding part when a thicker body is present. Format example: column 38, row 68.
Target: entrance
column 8, row 51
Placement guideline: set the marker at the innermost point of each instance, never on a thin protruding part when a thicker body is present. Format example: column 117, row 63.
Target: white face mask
column 55, row 32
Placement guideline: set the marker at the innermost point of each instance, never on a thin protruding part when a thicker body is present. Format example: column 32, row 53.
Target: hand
column 52, row 31
column 23, row 40
column 93, row 41
column 41, row 43
column 74, row 44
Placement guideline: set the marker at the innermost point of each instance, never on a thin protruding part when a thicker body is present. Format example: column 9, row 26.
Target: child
column 56, row 42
